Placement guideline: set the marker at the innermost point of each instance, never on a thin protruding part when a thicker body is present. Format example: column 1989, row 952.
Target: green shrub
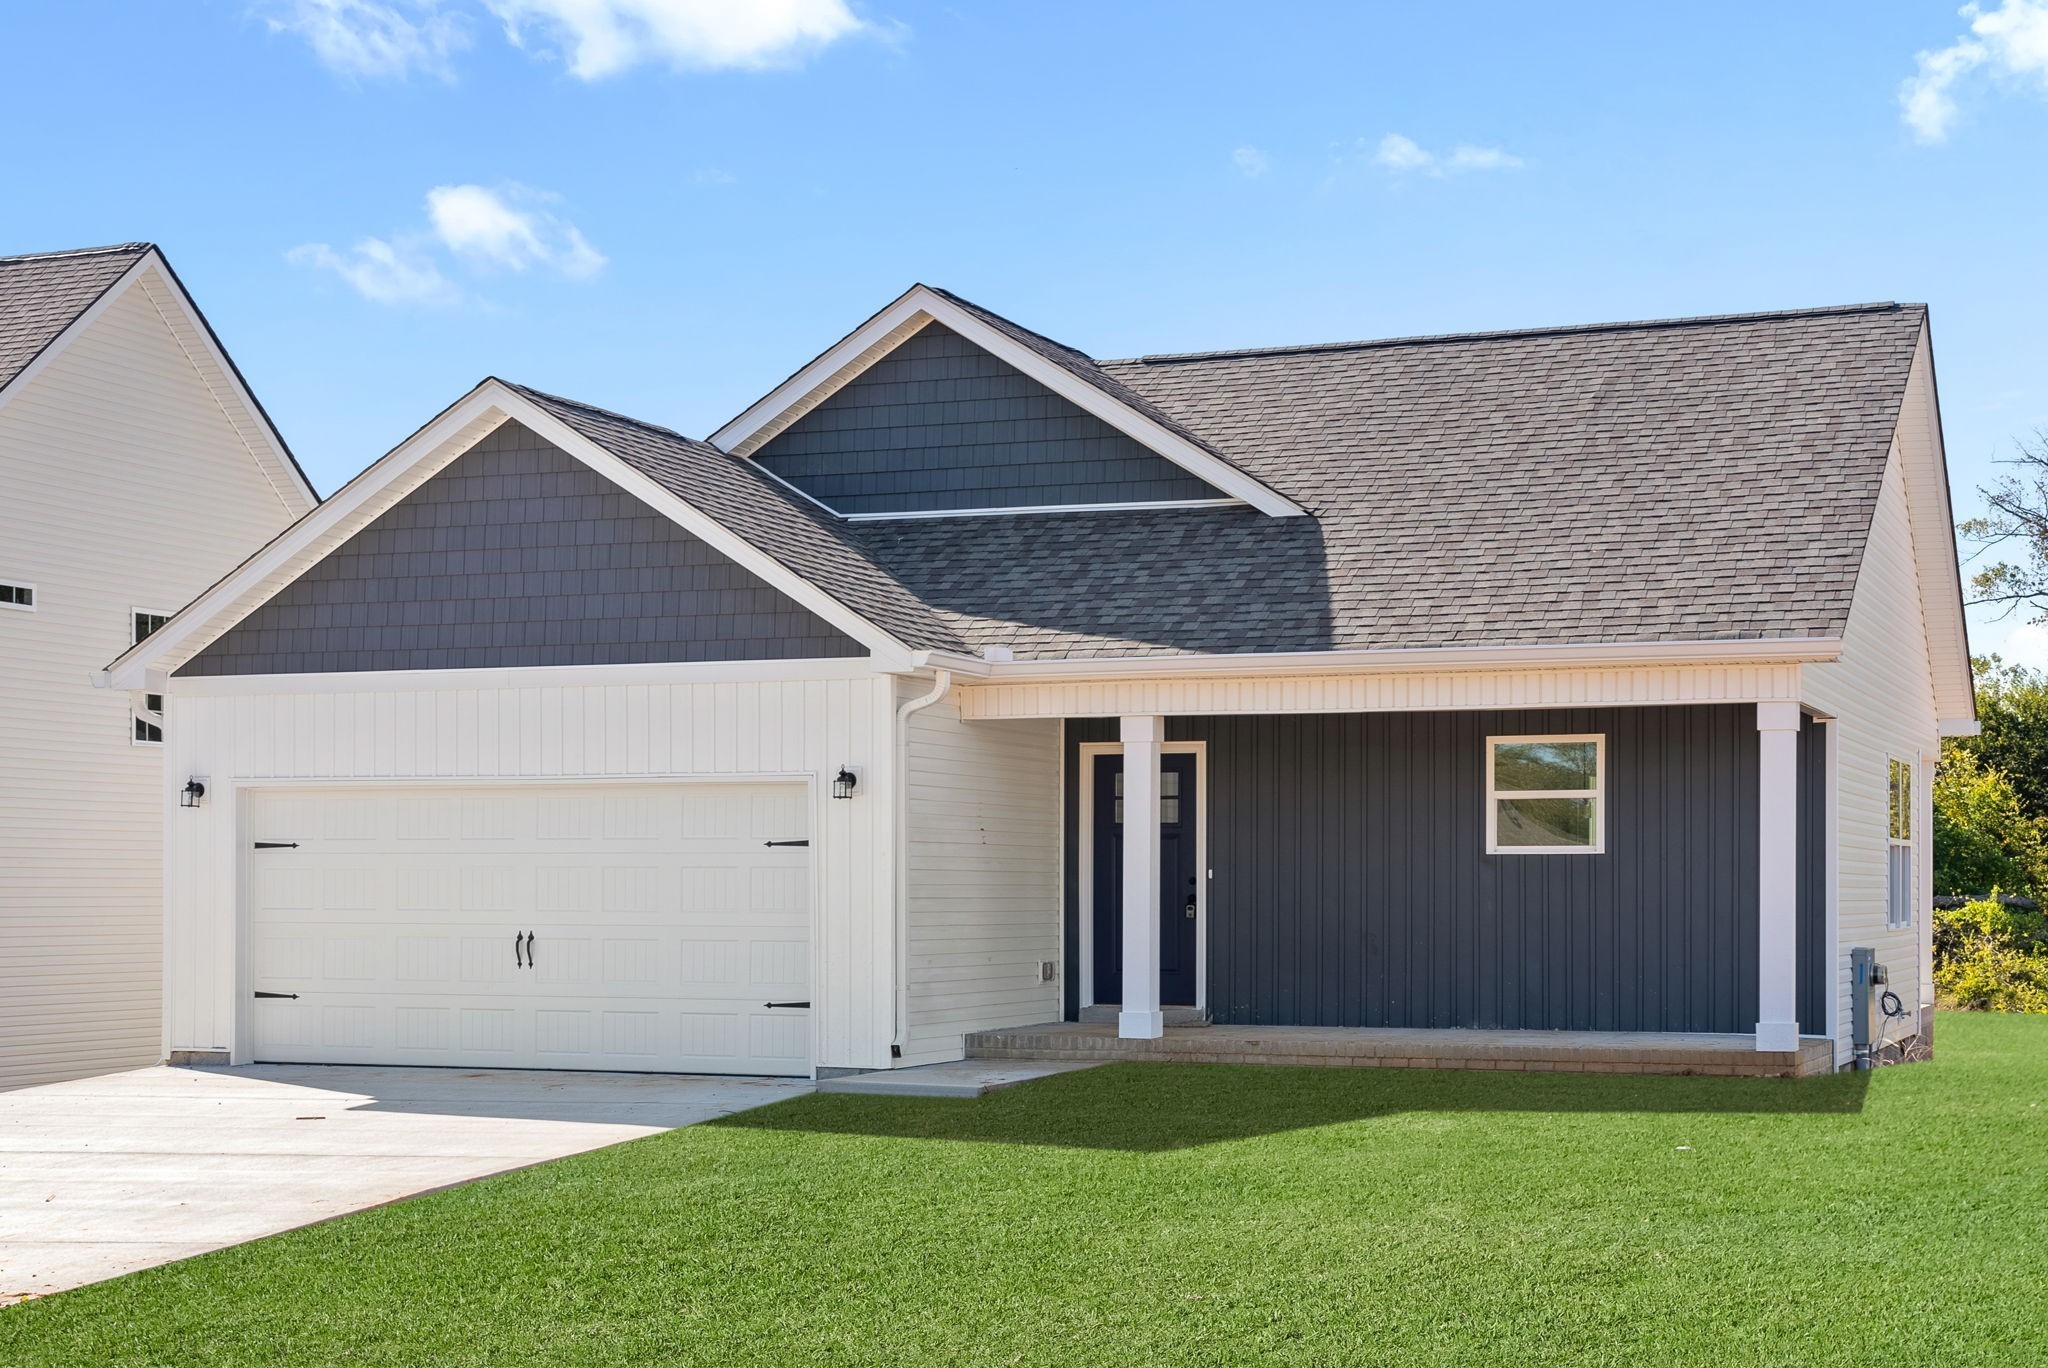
column 1991, row 957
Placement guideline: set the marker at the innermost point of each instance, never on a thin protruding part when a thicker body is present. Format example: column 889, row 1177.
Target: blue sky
column 664, row 206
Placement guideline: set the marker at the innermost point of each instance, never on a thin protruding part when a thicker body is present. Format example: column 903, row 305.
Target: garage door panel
column 660, row 927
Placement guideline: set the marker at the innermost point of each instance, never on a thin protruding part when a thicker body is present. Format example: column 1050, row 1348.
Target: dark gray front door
column 1178, row 876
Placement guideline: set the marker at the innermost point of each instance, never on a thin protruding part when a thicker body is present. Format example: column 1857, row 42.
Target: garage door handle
column 785, row 843
column 523, row 960
column 785, row 1004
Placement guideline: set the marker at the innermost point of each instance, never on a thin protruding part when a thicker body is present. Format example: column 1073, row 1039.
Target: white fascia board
column 77, row 326
column 868, row 343
column 1629, row 655
column 420, row 457
column 529, row 677
column 1924, row 463
column 1958, row 726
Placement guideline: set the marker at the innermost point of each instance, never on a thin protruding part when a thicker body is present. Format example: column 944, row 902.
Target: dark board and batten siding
column 940, row 423
column 1352, row 885
column 517, row 554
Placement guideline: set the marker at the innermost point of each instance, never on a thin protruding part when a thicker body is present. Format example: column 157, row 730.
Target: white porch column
column 1141, row 1018
column 1777, row 905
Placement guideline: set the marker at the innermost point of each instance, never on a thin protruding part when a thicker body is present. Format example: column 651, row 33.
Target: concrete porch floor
column 1632, row 1052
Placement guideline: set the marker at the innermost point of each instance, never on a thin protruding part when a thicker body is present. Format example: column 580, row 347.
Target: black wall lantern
column 844, row 783
column 192, row 793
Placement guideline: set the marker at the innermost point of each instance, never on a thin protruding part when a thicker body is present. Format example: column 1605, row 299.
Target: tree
column 2012, row 713
column 1984, row 839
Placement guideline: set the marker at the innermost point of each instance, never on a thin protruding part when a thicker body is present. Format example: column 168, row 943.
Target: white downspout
column 941, row 683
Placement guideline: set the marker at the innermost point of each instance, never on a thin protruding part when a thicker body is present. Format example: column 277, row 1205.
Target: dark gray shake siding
column 1352, row 887
column 940, row 423
column 519, row 554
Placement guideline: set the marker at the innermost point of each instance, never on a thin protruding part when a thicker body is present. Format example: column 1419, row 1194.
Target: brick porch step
column 1629, row 1052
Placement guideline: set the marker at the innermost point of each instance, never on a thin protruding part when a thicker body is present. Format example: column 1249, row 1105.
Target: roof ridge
column 108, row 250
column 531, row 392
column 1501, row 334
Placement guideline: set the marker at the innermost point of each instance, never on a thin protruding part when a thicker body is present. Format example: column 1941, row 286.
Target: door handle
column 529, row 949
column 518, row 955
column 1191, row 906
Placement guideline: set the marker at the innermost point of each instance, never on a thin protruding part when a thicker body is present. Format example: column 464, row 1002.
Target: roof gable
column 516, row 554
column 49, row 299
column 1062, row 370
column 941, row 425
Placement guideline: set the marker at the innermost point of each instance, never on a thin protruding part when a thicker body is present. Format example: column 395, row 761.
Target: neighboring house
column 135, row 469
column 1575, row 678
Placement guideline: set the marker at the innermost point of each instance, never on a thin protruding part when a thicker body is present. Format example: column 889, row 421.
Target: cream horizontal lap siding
column 1881, row 692
column 126, row 485
column 236, row 736
column 984, row 876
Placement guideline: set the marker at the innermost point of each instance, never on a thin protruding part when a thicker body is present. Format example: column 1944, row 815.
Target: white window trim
column 134, row 613
column 140, row 712
column 1598, row 793
column 35, row 596
column 1910, row 842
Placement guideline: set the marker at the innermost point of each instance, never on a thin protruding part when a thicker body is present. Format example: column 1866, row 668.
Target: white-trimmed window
column 145, row 621
column 149, row 721
column 17, row 595
column 1546, row 795
column 1898, row 909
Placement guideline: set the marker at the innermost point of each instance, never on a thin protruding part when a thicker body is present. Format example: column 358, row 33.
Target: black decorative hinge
column 277, row 845
column 785, row 1004
column 293, row 996
column 785, row 843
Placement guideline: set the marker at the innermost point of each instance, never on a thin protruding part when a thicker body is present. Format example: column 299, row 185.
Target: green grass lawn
column 1178, row 1214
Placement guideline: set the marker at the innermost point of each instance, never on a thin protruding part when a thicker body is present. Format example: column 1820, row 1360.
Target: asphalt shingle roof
column 40, row 295
column 1703, row 479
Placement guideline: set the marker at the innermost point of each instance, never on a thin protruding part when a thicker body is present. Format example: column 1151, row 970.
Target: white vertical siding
column 984, row 877
column 572, row 730
column 1882, row 691
column 122, row 485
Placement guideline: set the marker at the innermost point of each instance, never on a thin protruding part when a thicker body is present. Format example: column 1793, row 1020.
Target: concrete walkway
column 102, row 1176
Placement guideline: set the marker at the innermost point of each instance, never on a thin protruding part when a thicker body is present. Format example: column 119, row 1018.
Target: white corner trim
column 404, row 469
column 1134, row 507
column 853, row 353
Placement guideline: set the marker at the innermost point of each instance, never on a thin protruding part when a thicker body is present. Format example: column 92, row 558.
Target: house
column 1576, row 679
column 135, row 469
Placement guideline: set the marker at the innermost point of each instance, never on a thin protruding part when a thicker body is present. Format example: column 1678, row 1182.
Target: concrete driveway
column 102, row 1176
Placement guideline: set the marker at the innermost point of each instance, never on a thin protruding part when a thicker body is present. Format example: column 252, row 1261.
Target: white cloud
column 505, row 229
column 368, row 38
column 1402, row 154
column 599, row 38
column 381, row 270
column 594, row 38
column 1251, row 161
column 488, row 228
column 2009, row 43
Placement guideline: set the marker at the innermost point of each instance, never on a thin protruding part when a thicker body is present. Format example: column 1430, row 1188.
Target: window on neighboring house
column 147, row 622
column 1545, row 795
column 149, row 721
column 18, row 596
column 1899, row 848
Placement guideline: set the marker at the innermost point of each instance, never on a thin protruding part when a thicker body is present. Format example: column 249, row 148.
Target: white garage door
column 561, row 927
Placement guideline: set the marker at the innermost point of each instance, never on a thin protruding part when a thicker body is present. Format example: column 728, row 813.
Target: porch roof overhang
column 1602, row 674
